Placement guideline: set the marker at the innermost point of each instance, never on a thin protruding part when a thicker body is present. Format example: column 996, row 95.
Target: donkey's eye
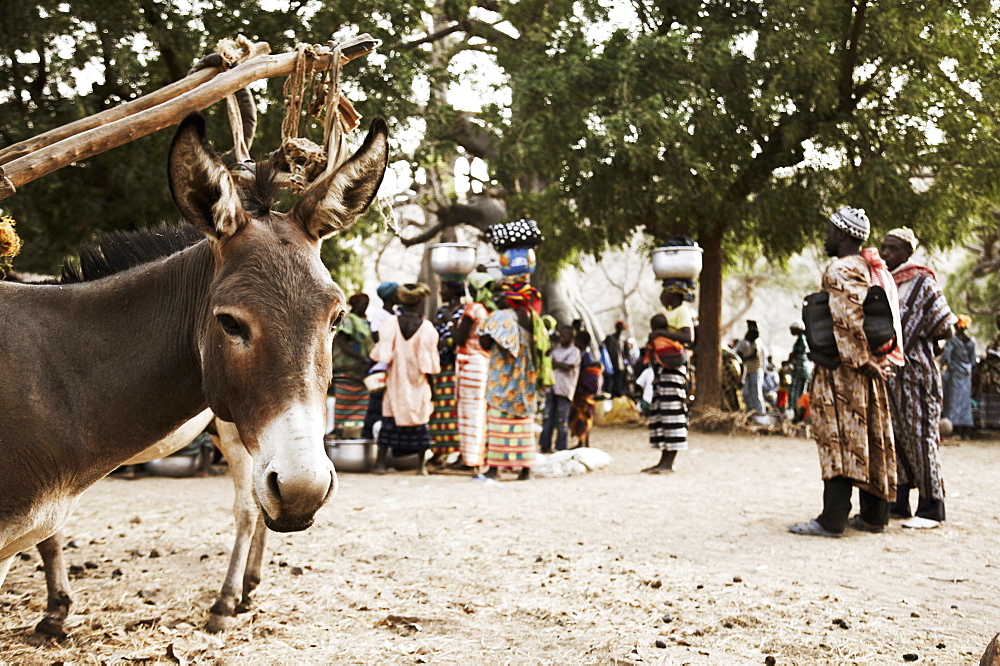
column 337, row 322
column 230, row 325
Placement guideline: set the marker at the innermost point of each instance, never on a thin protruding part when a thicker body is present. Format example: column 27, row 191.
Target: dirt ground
column 600, row 568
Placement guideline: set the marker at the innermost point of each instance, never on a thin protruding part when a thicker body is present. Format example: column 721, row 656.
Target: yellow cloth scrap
column 10, row 242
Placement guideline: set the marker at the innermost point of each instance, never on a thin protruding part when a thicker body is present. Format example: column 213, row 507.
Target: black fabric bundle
column 520, row 234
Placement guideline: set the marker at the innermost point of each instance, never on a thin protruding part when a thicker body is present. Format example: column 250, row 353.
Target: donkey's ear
column 334, row 202
column 201, row 186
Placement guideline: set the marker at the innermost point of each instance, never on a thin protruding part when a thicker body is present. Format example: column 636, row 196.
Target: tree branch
column 433, row 37
column 850, row 58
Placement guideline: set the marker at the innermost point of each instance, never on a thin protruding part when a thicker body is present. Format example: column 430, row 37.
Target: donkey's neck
column 136, row 362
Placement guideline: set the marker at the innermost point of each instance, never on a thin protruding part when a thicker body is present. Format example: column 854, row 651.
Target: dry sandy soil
column 597, row 569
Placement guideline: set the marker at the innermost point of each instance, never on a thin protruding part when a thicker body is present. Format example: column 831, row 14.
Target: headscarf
column 854, row 221
column 963, row 322
column 412, row 292
column 482, row 285
column 387, row 289
column 550, row 322
column 906, row 235
column 521, row 295
column 680, row 286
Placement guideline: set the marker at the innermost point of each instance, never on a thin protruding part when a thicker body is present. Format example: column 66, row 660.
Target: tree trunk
column 708, row 362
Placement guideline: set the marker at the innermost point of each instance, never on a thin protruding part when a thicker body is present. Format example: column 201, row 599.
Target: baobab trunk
column 708, row 362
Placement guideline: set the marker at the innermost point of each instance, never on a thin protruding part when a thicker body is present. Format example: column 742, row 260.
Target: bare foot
column 658, row 469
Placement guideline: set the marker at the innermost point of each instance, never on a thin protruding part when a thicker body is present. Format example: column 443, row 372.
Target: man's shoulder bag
column 878, row 325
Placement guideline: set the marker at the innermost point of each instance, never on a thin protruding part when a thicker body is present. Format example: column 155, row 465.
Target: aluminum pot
column 677, row 262
column 453, row 259
column 351, row 455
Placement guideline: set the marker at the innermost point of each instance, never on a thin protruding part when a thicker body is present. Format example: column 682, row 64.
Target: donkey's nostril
column 273, row 486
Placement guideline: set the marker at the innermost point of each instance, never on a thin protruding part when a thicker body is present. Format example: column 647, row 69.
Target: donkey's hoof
column 48, row 629
column 218, row 623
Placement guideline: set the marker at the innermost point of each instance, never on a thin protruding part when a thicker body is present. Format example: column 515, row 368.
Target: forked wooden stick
column 53, row 150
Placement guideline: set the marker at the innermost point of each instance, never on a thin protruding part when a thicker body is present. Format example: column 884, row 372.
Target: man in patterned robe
column 850, row 403
column 916, row 393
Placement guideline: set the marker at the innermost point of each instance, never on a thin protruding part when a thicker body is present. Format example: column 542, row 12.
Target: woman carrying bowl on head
column 668, row 412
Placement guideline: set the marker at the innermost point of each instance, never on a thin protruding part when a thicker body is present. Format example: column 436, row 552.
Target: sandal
column 859, row 523
column 813, row 528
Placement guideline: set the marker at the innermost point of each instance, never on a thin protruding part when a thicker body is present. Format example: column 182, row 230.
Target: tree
column 743, row 124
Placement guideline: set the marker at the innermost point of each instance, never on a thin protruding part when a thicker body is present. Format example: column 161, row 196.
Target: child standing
column 566, row 369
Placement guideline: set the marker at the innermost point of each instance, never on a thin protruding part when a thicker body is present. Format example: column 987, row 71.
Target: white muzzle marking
column 293, row 476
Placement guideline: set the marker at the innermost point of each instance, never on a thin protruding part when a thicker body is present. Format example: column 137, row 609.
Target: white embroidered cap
column 854, row 221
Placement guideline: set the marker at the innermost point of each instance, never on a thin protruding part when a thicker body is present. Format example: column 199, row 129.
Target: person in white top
column 566, row 371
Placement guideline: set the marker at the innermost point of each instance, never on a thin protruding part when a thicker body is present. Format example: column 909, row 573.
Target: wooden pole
column 144, row 121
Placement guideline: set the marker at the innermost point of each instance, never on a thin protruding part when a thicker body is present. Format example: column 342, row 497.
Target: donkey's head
column 265, row 339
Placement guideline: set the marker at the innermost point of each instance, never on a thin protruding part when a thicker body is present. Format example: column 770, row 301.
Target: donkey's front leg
column 4, row 568
column 57, row 585
column 246, row 515
column 251, row 578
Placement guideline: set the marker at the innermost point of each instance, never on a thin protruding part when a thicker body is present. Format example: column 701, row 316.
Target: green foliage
column 757, row 118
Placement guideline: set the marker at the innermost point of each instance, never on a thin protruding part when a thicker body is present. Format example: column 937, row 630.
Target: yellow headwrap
column 412, row 293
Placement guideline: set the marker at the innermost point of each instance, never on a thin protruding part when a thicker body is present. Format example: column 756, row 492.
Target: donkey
column 243, row 574
column 241, row 322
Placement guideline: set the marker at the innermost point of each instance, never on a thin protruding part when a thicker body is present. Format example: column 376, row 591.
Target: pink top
column 407, row 391
column 478, row 313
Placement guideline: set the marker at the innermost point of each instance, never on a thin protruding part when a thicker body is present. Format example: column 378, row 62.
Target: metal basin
column 351, row 455
column 677, row 262
column 453, row 258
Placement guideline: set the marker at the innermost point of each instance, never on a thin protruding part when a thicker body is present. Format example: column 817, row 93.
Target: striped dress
column 668, row 413
column 444, row 421
column 472, row 367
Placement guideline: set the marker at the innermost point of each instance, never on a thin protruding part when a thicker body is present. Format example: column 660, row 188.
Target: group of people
column 468, row 381
column 876, row 412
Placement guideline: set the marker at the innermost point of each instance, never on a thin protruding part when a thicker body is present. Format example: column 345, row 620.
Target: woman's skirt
column 444, row 419
column 989, row 410
column 510, row 442
column 403, row 440
column 351, row 401
column 471, row 391
column 581, row 415
column 668, row 411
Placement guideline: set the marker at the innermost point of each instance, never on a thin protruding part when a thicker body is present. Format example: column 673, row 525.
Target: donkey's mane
column 117, row 251
column 260, row 194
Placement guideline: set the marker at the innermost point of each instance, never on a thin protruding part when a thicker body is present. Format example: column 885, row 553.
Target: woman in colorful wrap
column 351, row 348
column 444, row 420
column 515, row 338
column 584, row 406
column 472, row 367
column 668, row 411
column 408, row 345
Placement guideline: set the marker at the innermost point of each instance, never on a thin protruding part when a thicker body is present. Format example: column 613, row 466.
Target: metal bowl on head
column 677, row 262
column 452, row 258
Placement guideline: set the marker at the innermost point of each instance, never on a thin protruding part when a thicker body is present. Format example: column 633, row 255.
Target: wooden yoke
column 31, row 159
